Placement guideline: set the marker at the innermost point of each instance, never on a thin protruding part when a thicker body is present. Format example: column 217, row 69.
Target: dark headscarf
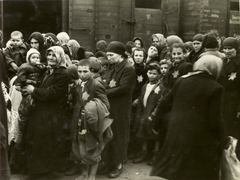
column 39, row 37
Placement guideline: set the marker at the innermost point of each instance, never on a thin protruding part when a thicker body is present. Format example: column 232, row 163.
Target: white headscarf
column 210, row 64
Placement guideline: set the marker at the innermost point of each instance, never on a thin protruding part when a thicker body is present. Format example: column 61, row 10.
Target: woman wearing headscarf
column 230, row 80
column 74, row 46
column 193, row 143
column 46, row 129
column 36, row 41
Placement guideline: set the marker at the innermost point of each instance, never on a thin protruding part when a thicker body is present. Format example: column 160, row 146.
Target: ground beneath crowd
column 130, row 172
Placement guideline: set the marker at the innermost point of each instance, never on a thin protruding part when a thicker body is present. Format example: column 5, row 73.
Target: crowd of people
column 66, row 109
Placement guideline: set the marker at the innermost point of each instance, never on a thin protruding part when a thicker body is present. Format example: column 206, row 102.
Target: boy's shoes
column 74, row 170
column 116, row 172
column 141, row 157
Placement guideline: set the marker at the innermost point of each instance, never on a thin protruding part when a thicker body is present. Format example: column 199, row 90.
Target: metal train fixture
column 88, row 21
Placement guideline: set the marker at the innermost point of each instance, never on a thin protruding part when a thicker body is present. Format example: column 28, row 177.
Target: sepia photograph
column 120, row 89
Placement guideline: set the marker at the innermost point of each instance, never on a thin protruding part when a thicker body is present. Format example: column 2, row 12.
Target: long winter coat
column 120, row 85
column 144, row 129
column 192, row 148
column 46, row 130
column 230, row 80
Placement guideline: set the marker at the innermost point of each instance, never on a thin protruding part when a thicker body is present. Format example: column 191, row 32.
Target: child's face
column 84, row 73
column 16, row 41
column 138, row 57
column 152, row 75
column 177, row 55
column 34, row 43
column 34, row 59
column 197, row 45
column 163, row 69
column 152, row 52
column 137, row 43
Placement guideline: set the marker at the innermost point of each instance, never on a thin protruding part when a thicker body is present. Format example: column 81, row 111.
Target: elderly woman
column 47, row 125
column 192, row 146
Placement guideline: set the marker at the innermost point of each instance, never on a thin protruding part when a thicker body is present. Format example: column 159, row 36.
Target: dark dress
column 47, row 126
column 192, row 148
column 230, row 80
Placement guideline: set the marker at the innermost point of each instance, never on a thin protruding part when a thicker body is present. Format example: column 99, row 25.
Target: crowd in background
column 66, row 109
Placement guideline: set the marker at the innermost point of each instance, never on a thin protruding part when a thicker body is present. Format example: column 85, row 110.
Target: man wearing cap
column 120, row 84
column 230, row 80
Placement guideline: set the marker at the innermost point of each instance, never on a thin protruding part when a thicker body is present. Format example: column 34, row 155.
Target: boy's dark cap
column 72, row 71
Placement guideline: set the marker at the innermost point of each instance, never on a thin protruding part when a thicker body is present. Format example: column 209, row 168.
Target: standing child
column 147, row 102
column 90, row 113
column 139, row 57
column 15, row 54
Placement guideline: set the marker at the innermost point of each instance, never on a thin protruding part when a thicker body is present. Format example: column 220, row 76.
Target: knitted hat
column 72, row 71
column 232, row 42
column 30, row 52
column 116, row 47
column 198, row 37
column 173, row 39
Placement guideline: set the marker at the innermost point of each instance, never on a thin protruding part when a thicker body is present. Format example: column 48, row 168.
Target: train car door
column 148, row 18
column 81, row 22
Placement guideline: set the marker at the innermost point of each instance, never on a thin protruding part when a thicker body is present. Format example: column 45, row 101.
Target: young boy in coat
column 15, row 53
column 87, row 134
column 152, row 91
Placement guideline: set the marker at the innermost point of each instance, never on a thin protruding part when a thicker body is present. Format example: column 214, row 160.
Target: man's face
column 229, row 52
column 84, row 73
column 16, row 41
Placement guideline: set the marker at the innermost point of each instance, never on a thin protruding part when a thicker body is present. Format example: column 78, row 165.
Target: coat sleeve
column 101, row 94
column 7, row 55
column 126, row 84
column 55, row 91
column 163, row 109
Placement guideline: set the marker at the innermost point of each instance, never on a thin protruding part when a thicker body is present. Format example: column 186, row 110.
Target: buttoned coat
column 119, row 87
column 144, row 129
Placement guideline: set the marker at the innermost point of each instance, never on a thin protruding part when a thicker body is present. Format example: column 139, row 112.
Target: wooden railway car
column 88, row 21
